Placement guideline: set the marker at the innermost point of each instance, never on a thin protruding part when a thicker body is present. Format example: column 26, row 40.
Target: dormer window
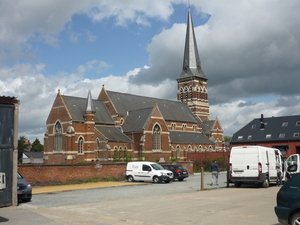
column 296, row 135
column 298, row 123
column 285, row 124
column 268, row 136
column 240, row 137
column 249, row 137
column 253, row 126
column 282, row 135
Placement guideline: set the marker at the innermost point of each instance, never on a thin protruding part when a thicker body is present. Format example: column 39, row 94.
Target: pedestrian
column 215, row 172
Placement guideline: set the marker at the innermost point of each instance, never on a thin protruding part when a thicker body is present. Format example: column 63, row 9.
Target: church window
column 191, row 92
column 173, row 126
column 184, row 127
column 121, row 122
column 156, row 137
column 194, row 128
column 80, row 145
column 189, row 149
column 98, row 144
column 58, row 137
column 177, row 152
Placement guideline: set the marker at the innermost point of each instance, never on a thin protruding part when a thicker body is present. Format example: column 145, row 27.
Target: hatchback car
column 288, row 201
column 24, row 189
column 179, row 172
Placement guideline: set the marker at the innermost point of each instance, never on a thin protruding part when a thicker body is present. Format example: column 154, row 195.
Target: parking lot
column 173, row 203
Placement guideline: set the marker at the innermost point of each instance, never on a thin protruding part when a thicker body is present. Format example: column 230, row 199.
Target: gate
column 6, row 152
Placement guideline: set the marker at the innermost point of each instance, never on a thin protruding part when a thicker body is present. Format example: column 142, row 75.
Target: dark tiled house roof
column 285, row 128
column 136, row 120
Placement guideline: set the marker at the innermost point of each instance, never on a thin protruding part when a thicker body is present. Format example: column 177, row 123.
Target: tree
column 37, row 146
column 23, row 145
column 227, row 138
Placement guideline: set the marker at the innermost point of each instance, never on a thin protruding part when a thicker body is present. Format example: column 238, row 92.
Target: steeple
column 192, row 83
column 191, row 61
column 90, row 105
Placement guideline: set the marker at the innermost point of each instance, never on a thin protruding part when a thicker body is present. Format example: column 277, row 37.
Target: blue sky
column 249, row 50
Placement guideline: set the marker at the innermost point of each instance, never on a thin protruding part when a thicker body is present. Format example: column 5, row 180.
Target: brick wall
column 41, row 174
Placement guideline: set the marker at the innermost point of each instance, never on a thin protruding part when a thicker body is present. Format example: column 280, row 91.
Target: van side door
column 147, row 172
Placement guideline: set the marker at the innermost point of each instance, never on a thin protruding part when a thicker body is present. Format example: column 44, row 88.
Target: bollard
column 202, row 180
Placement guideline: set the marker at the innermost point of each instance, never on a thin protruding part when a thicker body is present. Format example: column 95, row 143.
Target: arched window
column 58, row 137
column 191, row 92
column 98, row 143
column 177, row 152
column 156, row 137
column 173, row 126
column 80, row 145
column 189, row 149
column 184, row 127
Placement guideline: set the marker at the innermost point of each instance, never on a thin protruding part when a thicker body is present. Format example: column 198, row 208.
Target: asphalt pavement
column 226, row 205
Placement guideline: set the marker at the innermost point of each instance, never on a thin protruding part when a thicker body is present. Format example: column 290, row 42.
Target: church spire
column 90, row 105
column 191, row 60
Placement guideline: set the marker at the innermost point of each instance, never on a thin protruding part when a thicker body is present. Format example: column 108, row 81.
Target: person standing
column 215, row 173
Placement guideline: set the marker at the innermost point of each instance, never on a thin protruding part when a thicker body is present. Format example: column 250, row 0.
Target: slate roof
column 207, row 126
column 170, row 110
column 34, row 154
column 136, row 120
column 113, row 134
column 78, row 106
column 285, row 128
column 180, row 137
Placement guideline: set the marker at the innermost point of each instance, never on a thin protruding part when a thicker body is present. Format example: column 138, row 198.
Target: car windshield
column 157, row 167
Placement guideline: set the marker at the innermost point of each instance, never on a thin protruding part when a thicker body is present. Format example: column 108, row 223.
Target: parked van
column 255, row 164
column 147, row 171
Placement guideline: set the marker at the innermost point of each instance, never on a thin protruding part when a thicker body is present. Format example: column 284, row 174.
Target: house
column 33, row 157
column 121, row 126
column 277, row 132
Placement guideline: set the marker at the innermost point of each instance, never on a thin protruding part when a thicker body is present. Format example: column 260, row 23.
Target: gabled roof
column 170, row 110
column 180, row 137
column 285, row 128
column 78, row 106
column 136, row 120
column 207, row 126
column 113, row 134
column 36, row 155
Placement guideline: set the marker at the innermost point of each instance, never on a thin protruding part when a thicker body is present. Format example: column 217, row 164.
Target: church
column 121, row 127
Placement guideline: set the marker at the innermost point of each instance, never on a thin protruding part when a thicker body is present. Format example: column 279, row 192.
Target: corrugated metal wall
column 6, row 151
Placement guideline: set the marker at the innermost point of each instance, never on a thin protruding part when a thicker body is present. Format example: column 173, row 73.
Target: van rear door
column 244, row 161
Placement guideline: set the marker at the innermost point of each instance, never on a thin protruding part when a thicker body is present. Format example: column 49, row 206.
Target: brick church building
column 123, row 127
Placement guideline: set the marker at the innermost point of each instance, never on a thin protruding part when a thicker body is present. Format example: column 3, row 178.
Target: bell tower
column 192, row 83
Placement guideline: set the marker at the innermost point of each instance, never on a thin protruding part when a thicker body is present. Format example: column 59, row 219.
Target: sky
column 249, row 51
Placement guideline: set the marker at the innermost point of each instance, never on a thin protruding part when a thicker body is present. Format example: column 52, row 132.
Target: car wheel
column 265, row 184
column 295, row 219
column 155, row 179
column 130, row 179
column 237, row 184
column 180, row 179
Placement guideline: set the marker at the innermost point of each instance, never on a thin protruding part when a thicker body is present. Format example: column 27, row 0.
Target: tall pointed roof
column 90, row 106
column 191, row 60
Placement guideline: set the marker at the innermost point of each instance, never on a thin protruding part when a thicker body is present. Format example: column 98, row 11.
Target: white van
column 147, row 171
column 255, row 164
